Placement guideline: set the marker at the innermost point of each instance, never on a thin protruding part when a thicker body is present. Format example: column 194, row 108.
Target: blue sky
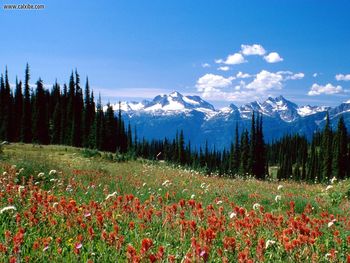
column 142, row 48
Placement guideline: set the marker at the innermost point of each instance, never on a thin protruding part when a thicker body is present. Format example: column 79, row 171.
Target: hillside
column 59, row 201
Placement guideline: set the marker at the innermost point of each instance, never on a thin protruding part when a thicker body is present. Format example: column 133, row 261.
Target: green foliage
column 88, row 153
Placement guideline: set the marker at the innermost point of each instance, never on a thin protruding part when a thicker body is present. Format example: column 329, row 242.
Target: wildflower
column 52, row 172
column 143, row 185
column 4, row 174
column 256, row 206
column 269, row 243
column 329, row 187
column 45, row 248
column 232, row 215
column 20, row 188
column 165, row 183
column 41, row 175
column 279, row 187
column 111, row 195
column 87, row 214
column 192, row 196
column 333, row 180
column 219, row 202
column 7, row 208
column 278, row 198
column 78, row 245
column 331, row 223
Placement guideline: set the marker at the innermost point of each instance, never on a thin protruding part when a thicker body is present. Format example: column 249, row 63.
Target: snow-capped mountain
column 200, row 121
column 173, row 103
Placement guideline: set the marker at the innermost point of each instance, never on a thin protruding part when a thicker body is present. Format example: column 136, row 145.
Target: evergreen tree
column 18, row 111
column 341, row 151
column 40, row 118
column 26, row 126
column 244, row 169
column 326, row 151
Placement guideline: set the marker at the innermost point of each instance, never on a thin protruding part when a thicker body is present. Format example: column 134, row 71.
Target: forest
column 69, row 115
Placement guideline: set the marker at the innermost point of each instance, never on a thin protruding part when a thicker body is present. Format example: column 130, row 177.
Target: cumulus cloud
column 328, row 89
column 205, row 65
column 241, row 75
column 224, row 68
column 254, row 49
column 290, row 75
column 233, row 59
column 273, row 57
column 213, row 81
column 342, row 77
column 266, row 80
column 315, row 75
column 217, row 87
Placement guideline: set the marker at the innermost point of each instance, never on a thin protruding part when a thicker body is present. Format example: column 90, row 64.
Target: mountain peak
column 175, row 94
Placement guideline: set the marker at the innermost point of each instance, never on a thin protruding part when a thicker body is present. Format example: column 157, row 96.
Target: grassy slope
column 92, row 179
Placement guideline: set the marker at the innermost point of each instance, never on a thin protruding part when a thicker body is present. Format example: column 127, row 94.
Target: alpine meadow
column 212, row 131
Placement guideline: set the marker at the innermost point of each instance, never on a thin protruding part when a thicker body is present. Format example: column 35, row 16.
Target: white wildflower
column 219, row 202
column 111, row 195
column 165, row 183
column 232, row 215
column 279, row 187
column 20, row 188
column 278, row 198
column 4, row 174
column 269, row 243
column 79, row 246
column 53, row 180
column 333, row 180
column 202, row 185
column 192, row 196
column 54, row 204
column 7, row 208
column 52, row 172
column 20, row 170
column 45, row 248
column 329, row 187
column 36, row 183
column 331, row 223
column 184, row 190
column 87, row 214
column 144, row 184
column 256, row 206
column 40, row 175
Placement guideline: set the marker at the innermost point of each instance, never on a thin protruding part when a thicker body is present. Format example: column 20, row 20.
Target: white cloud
column 213, row 81
column 328, row 89
column 290, row 75
column 234, row 59
column 342, row 77
column 241, row 75
column 254, row 49
column 205, row 65
column 273, row 57
column 224, row 68
column 315, row 75
column 266, row 80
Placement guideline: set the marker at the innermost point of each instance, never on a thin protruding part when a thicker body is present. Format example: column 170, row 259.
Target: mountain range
column 166, row 114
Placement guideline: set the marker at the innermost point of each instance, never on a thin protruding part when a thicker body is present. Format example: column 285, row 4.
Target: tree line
column 63, row 115
column 67, row 115
column 325, row 157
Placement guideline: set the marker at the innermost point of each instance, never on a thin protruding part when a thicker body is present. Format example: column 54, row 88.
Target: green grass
column 87, row 176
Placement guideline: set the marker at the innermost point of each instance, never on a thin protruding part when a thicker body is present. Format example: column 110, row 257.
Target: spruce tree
column 26, row 126
column 326, row 151
column 40, row 118
column 18, row 111
column 341, row 151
